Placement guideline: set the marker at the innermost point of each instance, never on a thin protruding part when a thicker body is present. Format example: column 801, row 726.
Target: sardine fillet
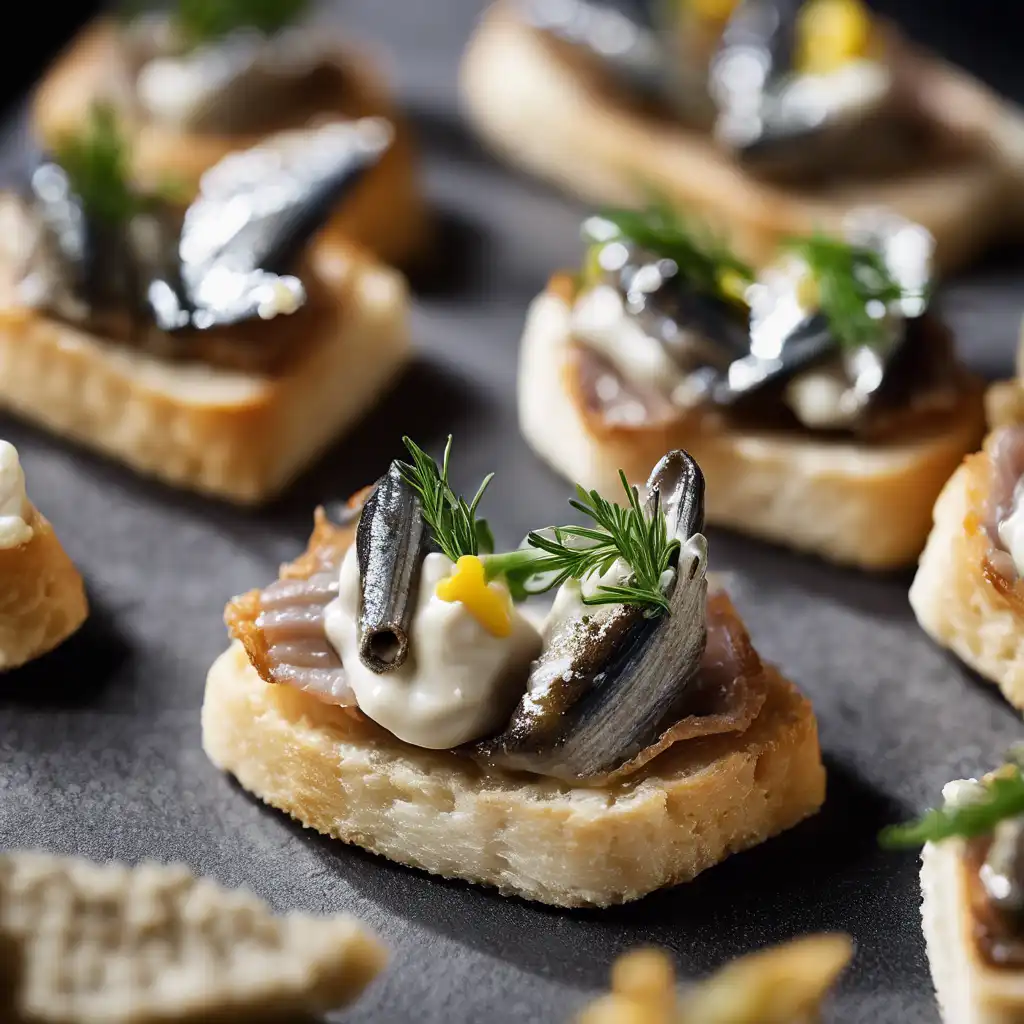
column 386, row 214
column 852, row 503
column 83, row 943
column 42, row 598
column 436, row 810
column 238, row 436
column 538, row 112
column 957, row 598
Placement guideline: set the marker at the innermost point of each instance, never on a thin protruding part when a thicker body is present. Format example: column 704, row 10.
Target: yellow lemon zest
column 732, row 285
column 831, row 33
column 808, row 294
column 713, row 10
column 488, row 604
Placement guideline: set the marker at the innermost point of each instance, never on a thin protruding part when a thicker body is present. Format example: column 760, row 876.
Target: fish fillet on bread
column 832, row 447
column 385, row 214
column 122, row 361
column 541, row 107
column 734, row 764
column 42, row 597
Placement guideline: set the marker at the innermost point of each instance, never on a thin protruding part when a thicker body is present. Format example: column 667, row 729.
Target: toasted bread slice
column 42, row 597
column 959, row 600
column 970, row 990
column 535, row 109
column 86, row 943
column 237, row 435
column 696, row 801
column 385, row 213
column 527, row 836
column 853, row 503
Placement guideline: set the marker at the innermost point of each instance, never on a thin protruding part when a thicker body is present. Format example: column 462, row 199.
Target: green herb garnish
column 702, row 255
column 1004, row 798
column 96, row 163
column 456, row 529
column 577, row 552
column 854, row 287
column 203, row 21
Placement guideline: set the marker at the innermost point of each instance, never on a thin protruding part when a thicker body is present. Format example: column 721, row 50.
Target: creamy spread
column 1011, row 531
column 14, row 506
column 600, row 319
column 460, row 681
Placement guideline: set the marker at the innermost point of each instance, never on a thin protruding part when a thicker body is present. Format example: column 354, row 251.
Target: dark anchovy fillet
column 95, row 271
column 392, row 540
column 611, row 680
column 255, row 213
column 773, row 129
column 785, row 340
column 696, row 329
column 1002, row 874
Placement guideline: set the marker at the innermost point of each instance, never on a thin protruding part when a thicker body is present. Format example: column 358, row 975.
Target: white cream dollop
column 14, row 507
column 459, row 682
column 1011, row 532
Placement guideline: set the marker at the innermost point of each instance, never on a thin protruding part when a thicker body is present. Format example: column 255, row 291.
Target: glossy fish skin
column 768, row 116
column 1002, row 874
column 94, row 271
column 611, row 679
column 695, row 329
column 786, row 339
column 255, row 213
column 392, row 539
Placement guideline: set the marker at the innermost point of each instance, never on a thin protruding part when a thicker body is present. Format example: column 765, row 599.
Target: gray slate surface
column 99, row 743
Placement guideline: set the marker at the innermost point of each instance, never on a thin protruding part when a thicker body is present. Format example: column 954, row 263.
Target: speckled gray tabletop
column 99, row 742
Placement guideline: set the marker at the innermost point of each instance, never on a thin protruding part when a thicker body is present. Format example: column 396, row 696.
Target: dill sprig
column 854, row 286
column 453, row 522
column 578, row 552
column 1003, row 798
column 703, row 256
column 96, row 161
column 203, row 21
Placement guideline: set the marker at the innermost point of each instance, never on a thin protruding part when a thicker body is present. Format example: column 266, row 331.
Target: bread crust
column 867, row 505
column 959, row 600
column 969, row 990
column 526, row 836
column 385, row 213
column 42, row 597
column 535, row 109
column 238, row 436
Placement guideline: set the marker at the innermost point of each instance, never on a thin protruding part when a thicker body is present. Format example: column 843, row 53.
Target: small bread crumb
column 82, row 943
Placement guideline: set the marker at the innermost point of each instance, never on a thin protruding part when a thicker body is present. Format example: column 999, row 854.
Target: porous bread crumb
column 82, row 943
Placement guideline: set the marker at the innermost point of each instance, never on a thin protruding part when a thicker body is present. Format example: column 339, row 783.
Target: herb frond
column 96, row 161
column 854, row 287
column 1004, row 798
column 703, row 256
column 453, row 522
column 577, row 552
column 203, row 21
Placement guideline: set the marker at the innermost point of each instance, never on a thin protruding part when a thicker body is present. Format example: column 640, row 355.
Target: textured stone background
column 99, row 743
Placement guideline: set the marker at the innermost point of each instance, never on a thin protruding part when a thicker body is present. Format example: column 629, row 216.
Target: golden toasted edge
column 436, row 810
column 238, row 436
column 42, row 596
column 956, row 595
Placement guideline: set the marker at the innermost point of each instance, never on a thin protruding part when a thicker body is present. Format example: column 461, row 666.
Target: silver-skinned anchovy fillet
column 612, row 679
column 392, row 539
